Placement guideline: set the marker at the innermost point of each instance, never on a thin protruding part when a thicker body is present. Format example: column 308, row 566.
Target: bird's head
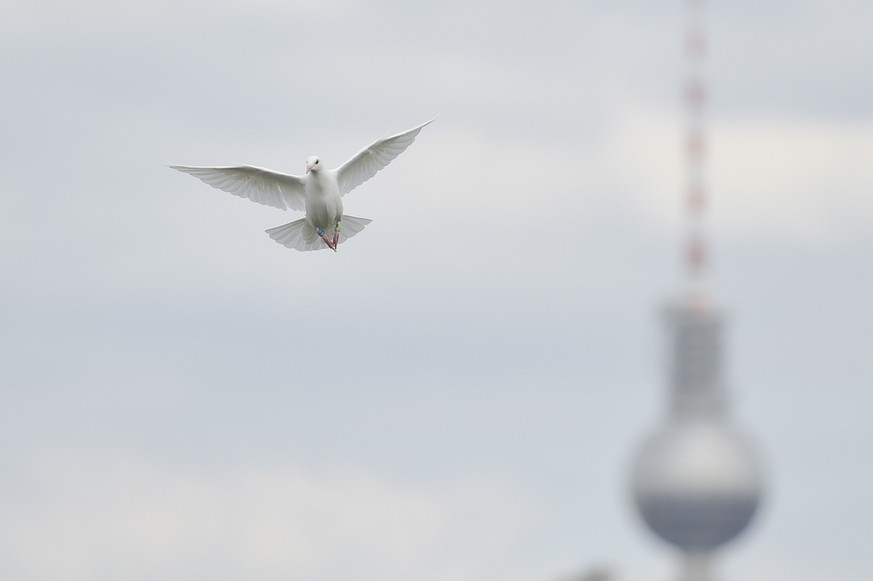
column 313, row 164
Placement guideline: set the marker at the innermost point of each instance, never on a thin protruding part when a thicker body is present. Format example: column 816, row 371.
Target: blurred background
column 457, row 394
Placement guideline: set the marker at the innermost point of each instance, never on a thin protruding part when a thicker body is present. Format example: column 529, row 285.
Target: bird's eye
column 316, row 161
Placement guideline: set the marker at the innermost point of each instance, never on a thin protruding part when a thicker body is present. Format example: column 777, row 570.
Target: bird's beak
column 308, row 167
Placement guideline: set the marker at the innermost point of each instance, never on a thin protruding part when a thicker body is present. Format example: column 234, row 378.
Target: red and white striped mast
column 696, row 253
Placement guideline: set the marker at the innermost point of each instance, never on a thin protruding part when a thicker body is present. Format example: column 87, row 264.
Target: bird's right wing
column 260, row 185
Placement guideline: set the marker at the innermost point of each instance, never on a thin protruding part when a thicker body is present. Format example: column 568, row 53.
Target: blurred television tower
column 696, row 482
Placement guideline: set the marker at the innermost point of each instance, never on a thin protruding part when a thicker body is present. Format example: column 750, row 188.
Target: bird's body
column 318, row 192
column 324, row 204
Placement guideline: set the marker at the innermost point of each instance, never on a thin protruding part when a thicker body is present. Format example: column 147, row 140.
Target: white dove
column 319, row 192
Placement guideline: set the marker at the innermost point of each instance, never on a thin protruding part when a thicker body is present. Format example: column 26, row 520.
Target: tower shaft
column 695, row 367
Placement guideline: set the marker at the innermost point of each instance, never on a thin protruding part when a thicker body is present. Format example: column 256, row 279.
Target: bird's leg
column 336, row 234
column 328, row 241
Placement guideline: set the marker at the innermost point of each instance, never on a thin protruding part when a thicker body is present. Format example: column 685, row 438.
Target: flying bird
column 318, row 192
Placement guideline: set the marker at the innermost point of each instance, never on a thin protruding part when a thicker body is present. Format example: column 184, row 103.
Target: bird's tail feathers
column 300, row 235
column 351, row 225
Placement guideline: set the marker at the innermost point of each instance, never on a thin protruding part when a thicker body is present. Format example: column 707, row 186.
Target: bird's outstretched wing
column 371, row 159
column 260, row 185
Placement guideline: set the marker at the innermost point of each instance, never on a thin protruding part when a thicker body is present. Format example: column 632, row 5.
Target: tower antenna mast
column 696, row 251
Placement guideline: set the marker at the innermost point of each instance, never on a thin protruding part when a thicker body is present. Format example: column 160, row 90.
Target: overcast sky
column 458, row 393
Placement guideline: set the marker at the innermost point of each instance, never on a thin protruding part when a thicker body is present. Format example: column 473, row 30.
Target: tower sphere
column 697, row 484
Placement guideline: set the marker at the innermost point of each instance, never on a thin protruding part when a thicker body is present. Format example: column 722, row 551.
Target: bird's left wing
column 260, row 185
column 369, row 160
